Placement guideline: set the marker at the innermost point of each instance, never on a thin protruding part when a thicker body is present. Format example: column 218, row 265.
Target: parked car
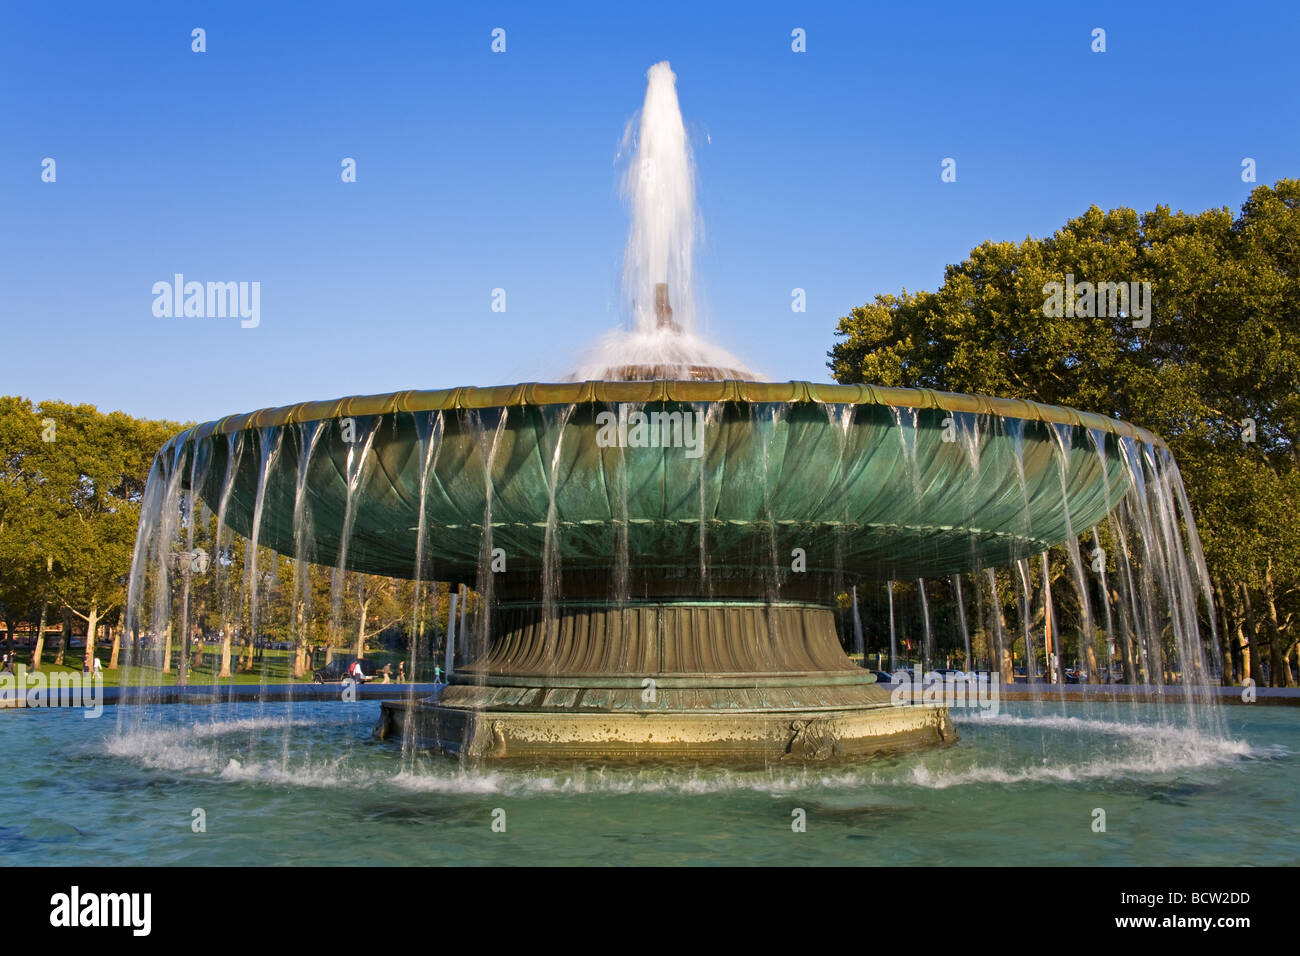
column 336, row 671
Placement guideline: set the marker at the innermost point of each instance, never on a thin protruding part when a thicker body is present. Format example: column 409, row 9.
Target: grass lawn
column 275, row 667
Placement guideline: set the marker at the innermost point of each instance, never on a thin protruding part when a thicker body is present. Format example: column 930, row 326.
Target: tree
column 30, row 534
column 1216, row 371
column 83, row 474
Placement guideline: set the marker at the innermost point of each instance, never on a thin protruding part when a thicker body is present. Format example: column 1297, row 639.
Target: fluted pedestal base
column 665, row 679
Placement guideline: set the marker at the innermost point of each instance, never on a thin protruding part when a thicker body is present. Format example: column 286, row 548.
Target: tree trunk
column 227, row 645
column 361, row 631
column 1228, row 616
column 65, row 638
column 38, row 650
column 1255, row 669
column 300, row 643
column 1238, row 651
column 167, row 651
column 1279, row 673
column 1243, row 645
column 1228, row 670
column 92, row 633
column 117, row 647
column 1006, row 663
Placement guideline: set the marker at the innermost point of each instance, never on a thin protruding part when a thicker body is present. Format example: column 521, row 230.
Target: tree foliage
column 1216, row 371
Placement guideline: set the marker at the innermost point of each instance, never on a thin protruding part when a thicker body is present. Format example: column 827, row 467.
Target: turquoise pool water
column 306, row 784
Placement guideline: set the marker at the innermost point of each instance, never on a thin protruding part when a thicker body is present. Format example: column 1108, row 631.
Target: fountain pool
column 279, row 784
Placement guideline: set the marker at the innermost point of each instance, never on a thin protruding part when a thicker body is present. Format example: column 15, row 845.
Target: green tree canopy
column 1216, row 371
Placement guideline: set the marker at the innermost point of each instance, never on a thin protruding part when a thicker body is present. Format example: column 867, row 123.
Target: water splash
column 1002, row 751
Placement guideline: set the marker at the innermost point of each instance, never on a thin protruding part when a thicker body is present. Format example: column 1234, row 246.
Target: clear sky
column 479, row 170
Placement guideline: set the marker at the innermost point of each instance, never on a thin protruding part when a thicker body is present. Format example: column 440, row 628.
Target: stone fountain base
column 705, row 734
column 736, row 681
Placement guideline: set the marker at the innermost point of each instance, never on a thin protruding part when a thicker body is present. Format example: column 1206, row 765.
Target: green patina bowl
column 866, row 482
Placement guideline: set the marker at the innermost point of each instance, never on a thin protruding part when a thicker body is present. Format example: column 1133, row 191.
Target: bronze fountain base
column 665, row 679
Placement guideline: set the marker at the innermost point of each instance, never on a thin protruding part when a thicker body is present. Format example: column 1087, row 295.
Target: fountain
column 657, row 545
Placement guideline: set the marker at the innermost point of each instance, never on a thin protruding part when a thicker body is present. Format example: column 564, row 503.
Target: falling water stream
column 893, row 638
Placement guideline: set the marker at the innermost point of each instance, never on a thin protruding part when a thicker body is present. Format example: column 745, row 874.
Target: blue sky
column 477, row 170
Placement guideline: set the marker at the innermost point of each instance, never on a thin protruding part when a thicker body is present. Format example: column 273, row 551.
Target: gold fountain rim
column 661, row 390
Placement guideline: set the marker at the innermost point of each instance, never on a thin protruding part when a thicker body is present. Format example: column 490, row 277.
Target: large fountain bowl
column 706, row 565
column 869, row 482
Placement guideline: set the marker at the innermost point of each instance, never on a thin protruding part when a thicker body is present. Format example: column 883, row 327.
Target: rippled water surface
column 306, row 784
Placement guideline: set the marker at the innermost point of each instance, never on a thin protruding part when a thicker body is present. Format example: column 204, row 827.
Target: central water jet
column 664, row 338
